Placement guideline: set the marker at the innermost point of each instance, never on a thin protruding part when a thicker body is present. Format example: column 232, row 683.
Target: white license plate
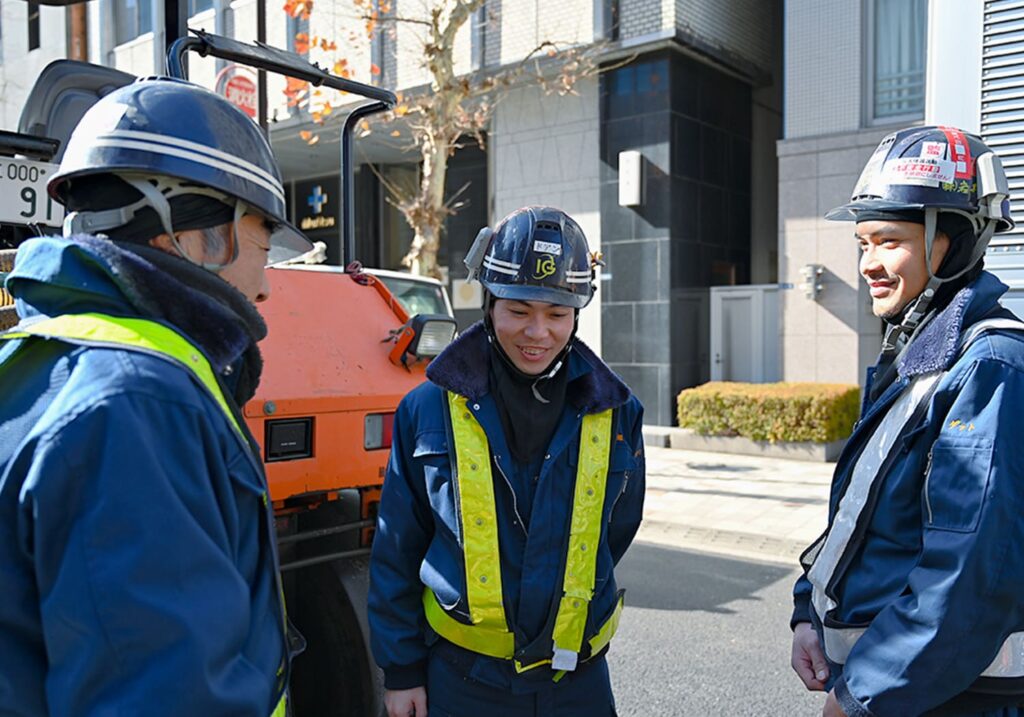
column 23, row 197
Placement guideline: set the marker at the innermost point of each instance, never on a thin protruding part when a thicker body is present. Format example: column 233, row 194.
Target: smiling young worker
column 912, row 602
column 515, row 485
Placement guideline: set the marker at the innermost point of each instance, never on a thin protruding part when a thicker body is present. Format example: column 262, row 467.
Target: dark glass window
column 33, row 26
column 197, row 6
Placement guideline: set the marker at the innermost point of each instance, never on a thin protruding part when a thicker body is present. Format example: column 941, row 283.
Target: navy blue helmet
column 932, row 167
column 197, row 141
column 535, row 254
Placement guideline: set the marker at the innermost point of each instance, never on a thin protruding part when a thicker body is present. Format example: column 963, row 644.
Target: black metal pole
column 175, row 26
column 261, row 75
column 348, row 168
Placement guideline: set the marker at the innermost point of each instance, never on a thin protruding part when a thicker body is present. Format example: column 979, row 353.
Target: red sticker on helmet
column 959, row 152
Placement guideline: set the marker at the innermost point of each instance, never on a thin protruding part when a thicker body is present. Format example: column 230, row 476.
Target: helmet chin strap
column 157, row 197
column 159, row 201
column 898, row 335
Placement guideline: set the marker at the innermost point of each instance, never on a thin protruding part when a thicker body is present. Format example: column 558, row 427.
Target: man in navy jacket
column 911, row 602
column 515, row 485
column 137, row 551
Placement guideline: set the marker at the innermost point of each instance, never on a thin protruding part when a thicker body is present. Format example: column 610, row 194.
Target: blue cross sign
column 317, row 199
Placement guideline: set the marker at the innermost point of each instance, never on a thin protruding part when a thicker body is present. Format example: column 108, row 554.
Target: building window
column 197, row 6
column 380, row 46
column 899, row 31
column 33, row 26
column 298, row 28
column 606, row 20
column 478, row 38
column 131, row 19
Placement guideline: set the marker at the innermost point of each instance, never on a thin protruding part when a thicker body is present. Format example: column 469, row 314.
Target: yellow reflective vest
column 489, row 633
column 94, row 329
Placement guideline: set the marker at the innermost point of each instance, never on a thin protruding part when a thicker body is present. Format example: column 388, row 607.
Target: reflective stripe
column 154, row 338
column 584, row 534
column 865, row 473
column 139, row 334
column 981, row 327
column 482, row 639
column 501, row 262
column 193, row 152
column 600, row 641
column 488, row 264
column 479, row 518
column 501, row 643
column 1009, row 661
column 489, row 632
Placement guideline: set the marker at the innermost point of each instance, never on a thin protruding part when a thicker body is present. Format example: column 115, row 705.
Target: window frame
column 869, row 45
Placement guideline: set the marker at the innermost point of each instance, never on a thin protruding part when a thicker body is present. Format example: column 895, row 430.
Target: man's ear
column 191, row 242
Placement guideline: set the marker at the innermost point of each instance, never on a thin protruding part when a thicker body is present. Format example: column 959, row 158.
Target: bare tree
column 439, row 118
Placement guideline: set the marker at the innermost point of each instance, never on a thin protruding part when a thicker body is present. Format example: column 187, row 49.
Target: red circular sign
column 241, row 92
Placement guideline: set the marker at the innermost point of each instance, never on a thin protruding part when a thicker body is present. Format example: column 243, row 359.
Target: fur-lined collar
column 462, row 369
column 937, row 346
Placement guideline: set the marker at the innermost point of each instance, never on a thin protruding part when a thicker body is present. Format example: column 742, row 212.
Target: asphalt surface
column 705, row 636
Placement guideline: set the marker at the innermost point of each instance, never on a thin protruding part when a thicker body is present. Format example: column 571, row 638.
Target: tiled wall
column 740, row 27
column 835, row 338
column 823, row 67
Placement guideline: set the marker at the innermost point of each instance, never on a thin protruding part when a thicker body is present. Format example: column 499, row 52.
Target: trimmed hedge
column 817, row 412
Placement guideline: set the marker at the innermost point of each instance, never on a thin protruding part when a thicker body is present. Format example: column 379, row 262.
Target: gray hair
column 216, row 240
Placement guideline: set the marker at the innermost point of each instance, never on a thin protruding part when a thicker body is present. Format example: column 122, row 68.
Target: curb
column 722, row 542
column 685, row 439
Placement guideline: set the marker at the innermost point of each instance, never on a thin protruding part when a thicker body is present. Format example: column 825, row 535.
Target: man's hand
column 808, row 660
column 406, row 703
column 832, row 708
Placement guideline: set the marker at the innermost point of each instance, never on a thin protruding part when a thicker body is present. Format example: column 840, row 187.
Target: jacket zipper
column 625, row 482
column 515, row 503
column 927, row 477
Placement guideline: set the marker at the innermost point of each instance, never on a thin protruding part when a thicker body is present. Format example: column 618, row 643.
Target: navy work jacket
column 937, row 569
column 417, row 544
column 138, row 574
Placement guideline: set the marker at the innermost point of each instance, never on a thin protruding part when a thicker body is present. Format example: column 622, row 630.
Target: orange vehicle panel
column 326, row 358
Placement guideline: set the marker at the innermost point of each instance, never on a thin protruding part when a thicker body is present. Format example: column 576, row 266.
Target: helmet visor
column 286, row 242
column 848, row 212
column 528, row 292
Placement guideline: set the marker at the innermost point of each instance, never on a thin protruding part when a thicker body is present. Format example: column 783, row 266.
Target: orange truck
column 340, row 354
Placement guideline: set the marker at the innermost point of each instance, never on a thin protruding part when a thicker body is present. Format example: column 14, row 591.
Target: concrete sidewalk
column 744, row 506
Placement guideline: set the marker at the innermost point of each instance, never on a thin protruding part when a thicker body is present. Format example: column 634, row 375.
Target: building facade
column 856, row 71
column 690, row 91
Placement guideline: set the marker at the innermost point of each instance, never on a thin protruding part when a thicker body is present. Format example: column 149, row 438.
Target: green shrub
column 818, row 412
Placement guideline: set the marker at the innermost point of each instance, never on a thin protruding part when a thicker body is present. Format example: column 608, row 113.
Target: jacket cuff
column 405, row 677
column 801, row 611
column 850, row 704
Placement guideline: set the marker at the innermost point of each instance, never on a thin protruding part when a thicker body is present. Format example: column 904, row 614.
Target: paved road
column 705, row 636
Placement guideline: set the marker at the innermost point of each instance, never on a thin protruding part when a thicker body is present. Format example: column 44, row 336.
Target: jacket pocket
column 955, row 485
column 620, row 468
column 431, row 454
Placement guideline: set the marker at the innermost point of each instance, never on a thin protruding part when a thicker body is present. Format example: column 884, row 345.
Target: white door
column 732, row 335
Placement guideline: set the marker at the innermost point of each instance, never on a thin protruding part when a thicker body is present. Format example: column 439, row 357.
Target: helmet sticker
column 934, row 150
column 874, row 165
column 547, row 247
column 920, row 171
column 545, row 267
column 960, row 151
